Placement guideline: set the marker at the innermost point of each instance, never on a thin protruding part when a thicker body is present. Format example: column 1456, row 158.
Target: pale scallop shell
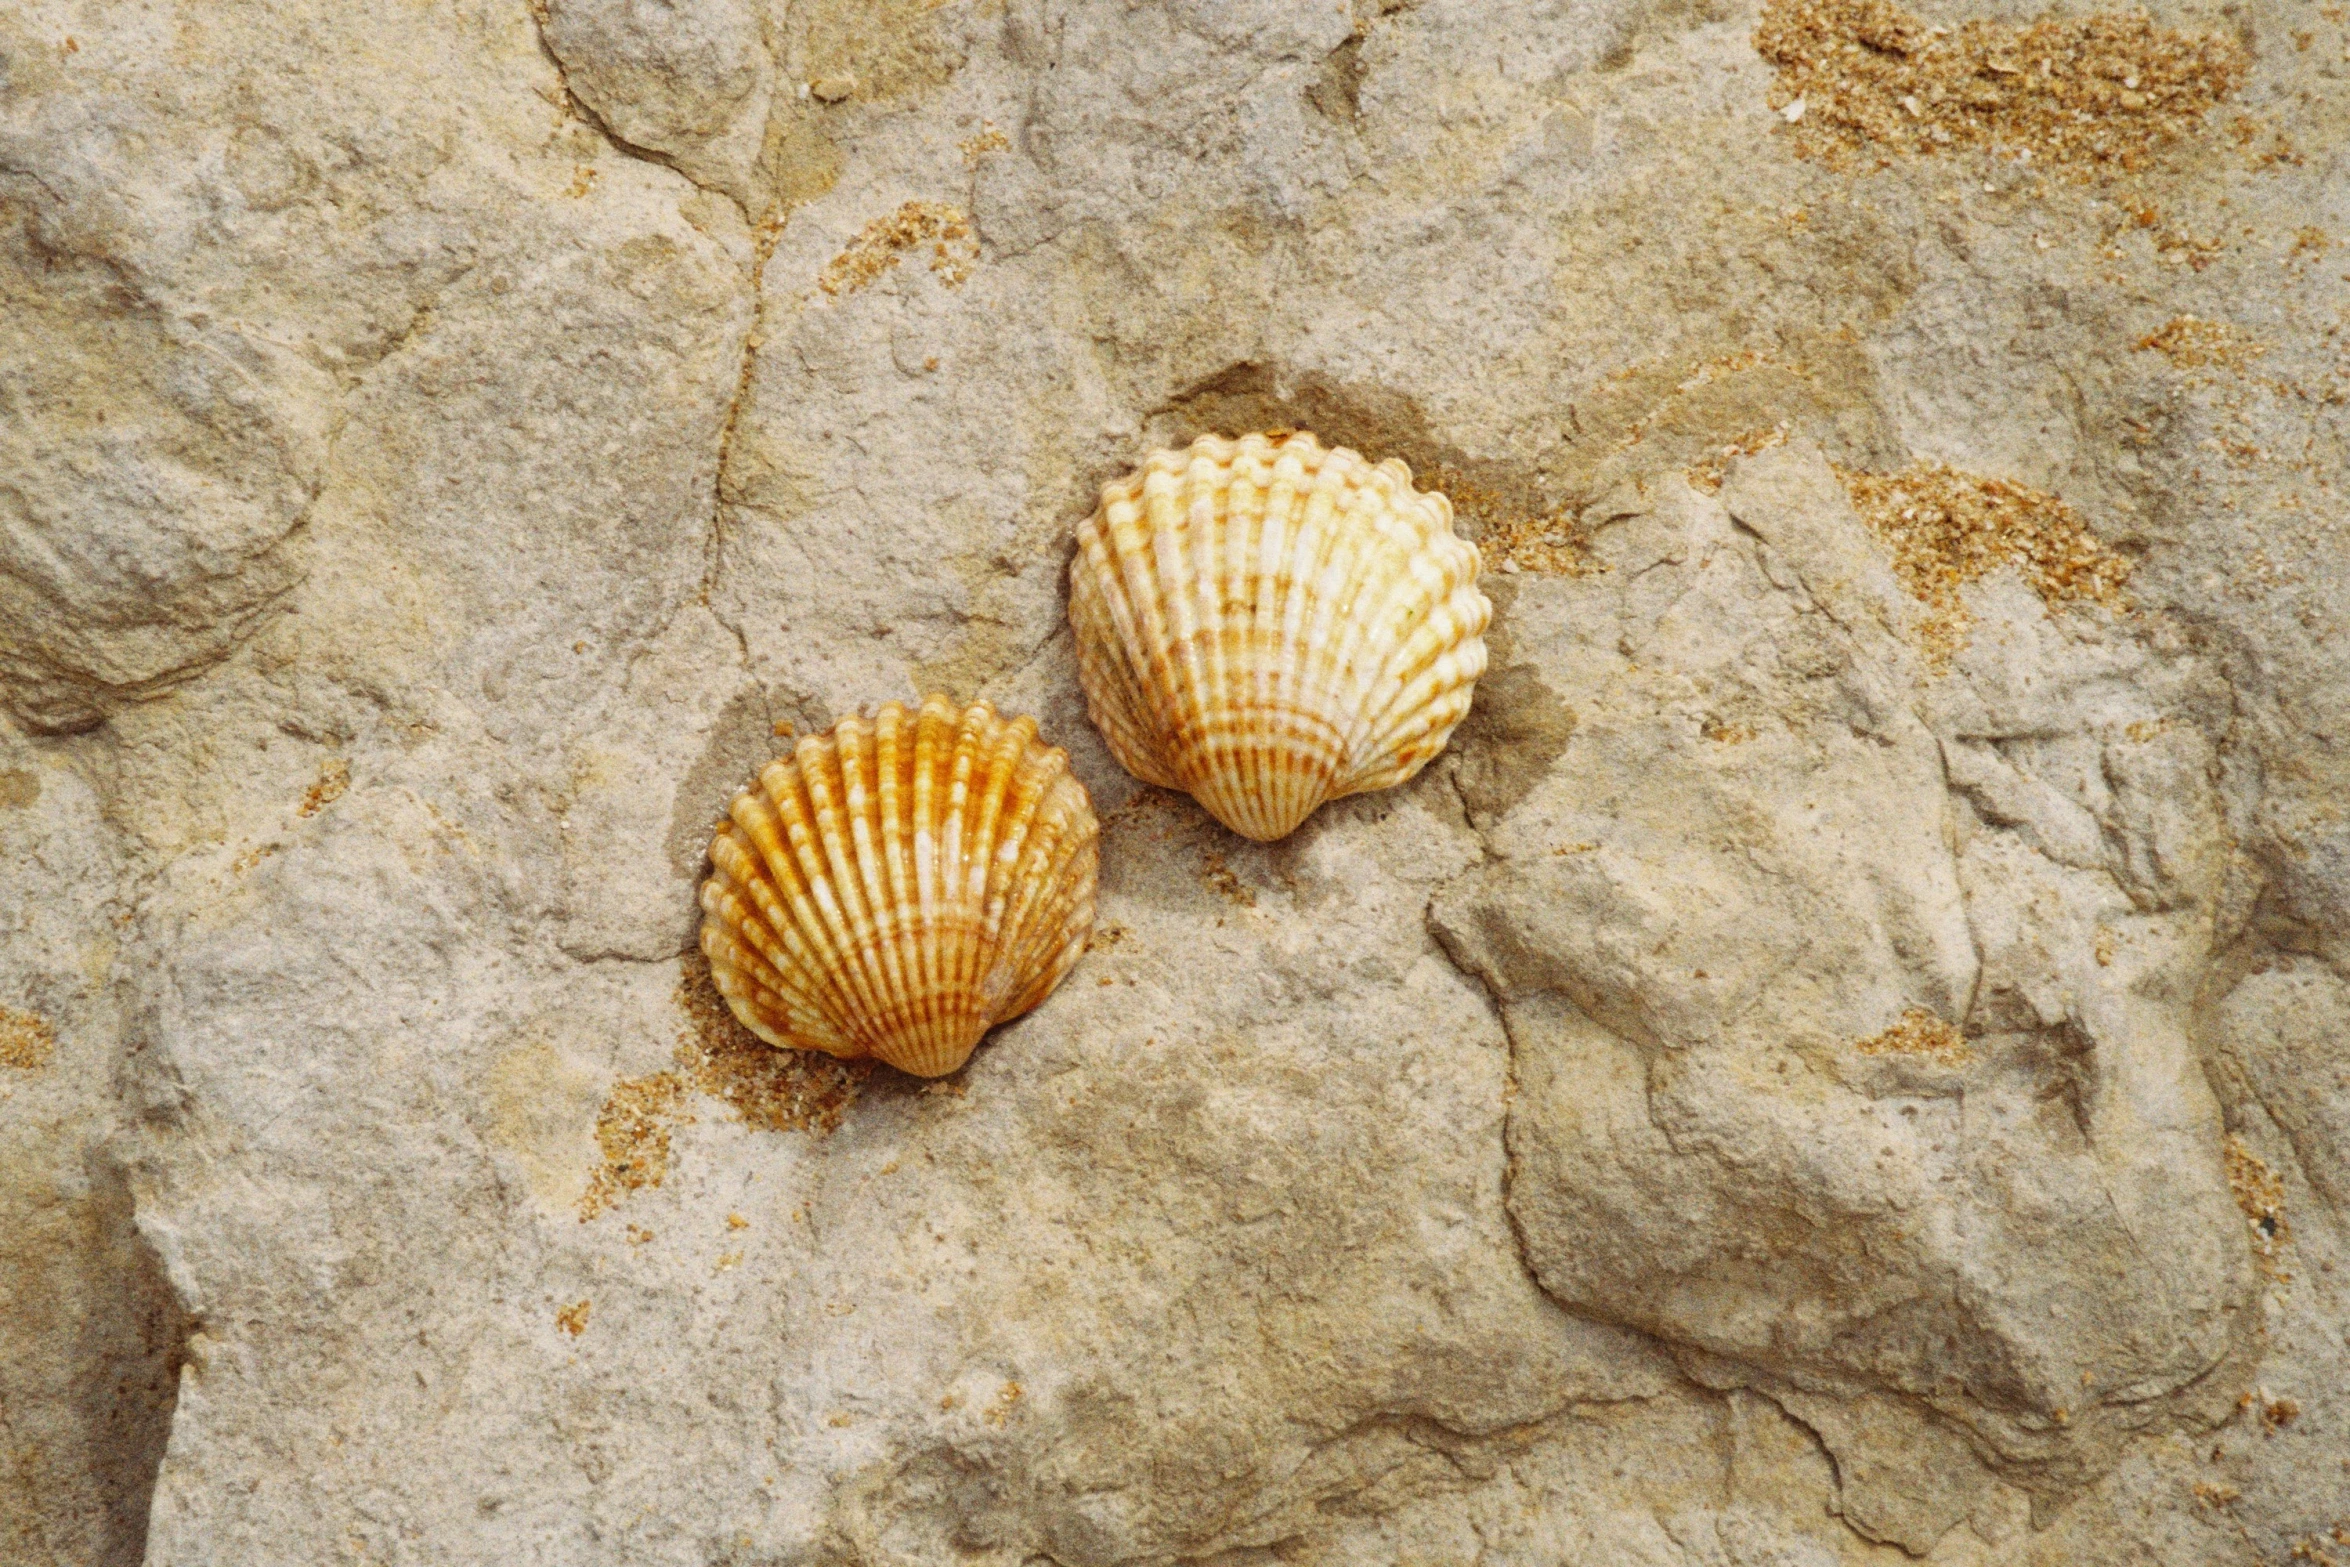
column 1267, row 624
column 901, row 885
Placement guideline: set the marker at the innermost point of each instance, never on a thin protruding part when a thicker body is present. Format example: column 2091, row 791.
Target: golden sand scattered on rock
column 990, row 139
column 334, row 777
column 2276, row 1413
column 772, row 1090
column 954, row 250
column 2100, row 92
column 1708, row 472
column 1509, row 536
column 1920, row 1033
column 633, row 1131
column 27, row 1042
column 1547, row 546
column 2190, row 342
column 1945, row 528
column 1217, row 875
column 2260, row 1193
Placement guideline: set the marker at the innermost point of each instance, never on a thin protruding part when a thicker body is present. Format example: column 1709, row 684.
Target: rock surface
column 1731, row 929
column 1843, row 1061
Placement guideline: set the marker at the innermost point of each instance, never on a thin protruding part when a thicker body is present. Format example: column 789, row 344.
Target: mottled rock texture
column 1846, row 1060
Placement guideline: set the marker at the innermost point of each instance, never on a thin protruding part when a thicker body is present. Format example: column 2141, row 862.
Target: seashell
column 1268, row 624
column 901, row 885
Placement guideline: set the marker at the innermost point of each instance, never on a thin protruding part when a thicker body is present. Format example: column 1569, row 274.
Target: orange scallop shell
column 901, row 885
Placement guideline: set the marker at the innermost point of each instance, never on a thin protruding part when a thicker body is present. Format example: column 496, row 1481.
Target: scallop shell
column 901, row 885
column 1268, row 624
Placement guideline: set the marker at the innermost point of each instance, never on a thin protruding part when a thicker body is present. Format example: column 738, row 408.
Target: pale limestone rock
column 1020, row 1269
column 1753, row 857
column 688, row 80
column 89, row 1329
column 2284, row 1028
column 149, row 479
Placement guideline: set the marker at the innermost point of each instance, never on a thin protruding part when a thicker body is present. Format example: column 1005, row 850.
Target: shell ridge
column 954, row 896
column 1226, row 723
column 1072, row 931
column 1305, row 770
column 1177, row 518
column 976, row 745
column 990, row 872
column 1116, row 708
column 834, row 891
column 1105, row 647
column 750, row 899
column 800, row 812
column 1235, row 592
column 1058, row 919
column 870, row 786
column 1068, row 867
column 923, row 1031
column 742, row 863
column 1268, row 689
column 899, row 735
column 854, row 872
column 1448, row 653
column 1301, row 545
column 934, row 737
column 945, row 1022
column 1138, row 576
column 738, row 974
column 1132, row 595
column 1027, row 827
column 1351, row 554
column 779, row 817
column 1257, row 753
column 744, row 952
column 995, row 749
column 998, row 979
column 1444, row 611
column 761, row 833
column 1035, row 874
column 737, row 961
column 1382, row 593
column 1402, row 617
column 1215, row 508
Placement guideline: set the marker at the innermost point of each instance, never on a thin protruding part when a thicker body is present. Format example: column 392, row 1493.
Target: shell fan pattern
column 1268, row 624
column 901, row 885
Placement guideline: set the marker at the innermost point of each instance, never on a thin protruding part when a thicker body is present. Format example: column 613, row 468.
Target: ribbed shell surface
column 899, row 886
column 1268, row 624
